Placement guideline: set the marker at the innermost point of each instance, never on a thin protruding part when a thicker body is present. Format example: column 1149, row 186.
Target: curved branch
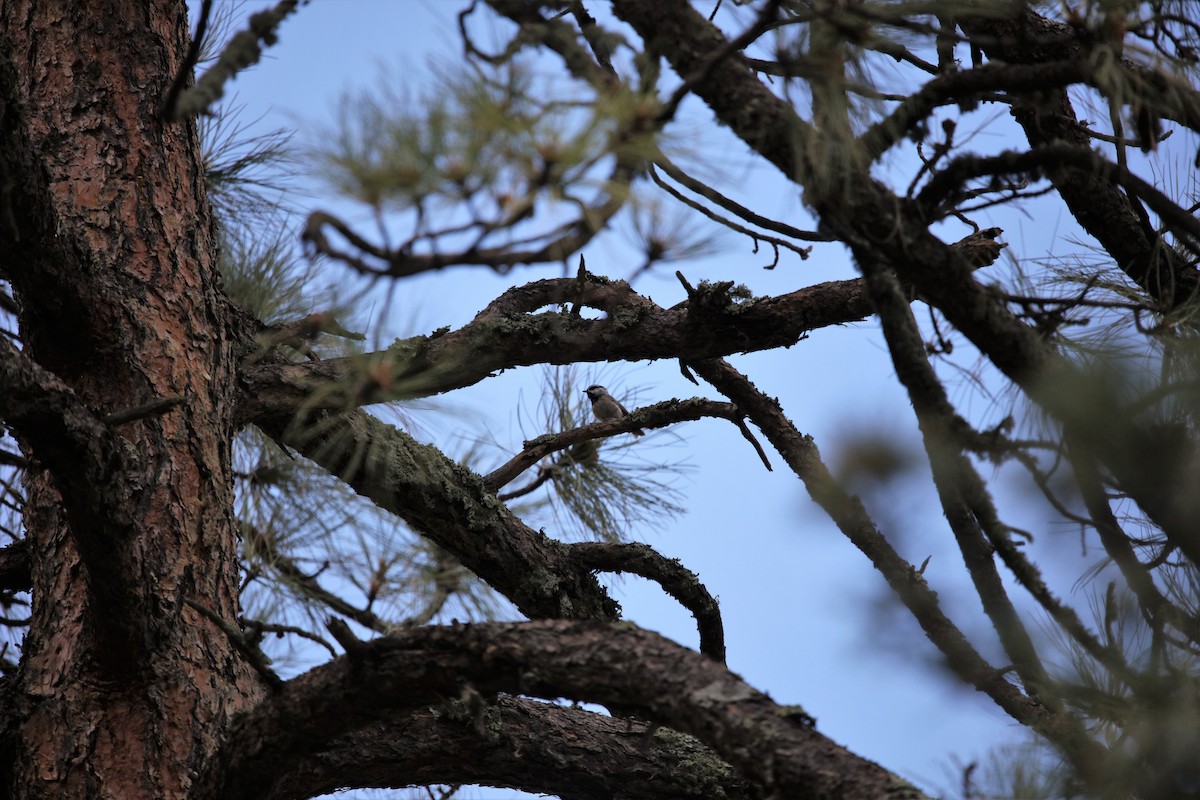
column 774, row 747
column 676, row 173
column 505, row 742
column 401, row 263
column 90, row 465
column 675, row 579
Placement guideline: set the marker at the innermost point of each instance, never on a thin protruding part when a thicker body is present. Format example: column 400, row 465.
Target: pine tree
column 190, row 468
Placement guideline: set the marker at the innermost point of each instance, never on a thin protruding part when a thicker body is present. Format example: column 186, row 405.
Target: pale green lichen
column 696, row 770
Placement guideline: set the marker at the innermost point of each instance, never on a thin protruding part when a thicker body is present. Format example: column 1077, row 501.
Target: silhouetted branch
column 675, row 579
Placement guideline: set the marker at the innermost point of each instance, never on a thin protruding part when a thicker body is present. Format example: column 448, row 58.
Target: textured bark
column 111, row 256
column 774, row 747
column 506, row 741
column 127, row 690
column 508, row 334
column 451, row 506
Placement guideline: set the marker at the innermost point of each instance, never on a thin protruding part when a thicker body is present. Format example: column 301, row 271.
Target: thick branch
column 90, row 465
column 451, row 506
column 507, row 741
column 15, row 568
column 772, row 746
column 508, row 335
column 675, row 579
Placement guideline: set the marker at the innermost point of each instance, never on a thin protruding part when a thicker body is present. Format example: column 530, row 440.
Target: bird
column 606, row 407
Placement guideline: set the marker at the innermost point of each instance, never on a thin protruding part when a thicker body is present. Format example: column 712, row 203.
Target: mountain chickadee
column 605, row 406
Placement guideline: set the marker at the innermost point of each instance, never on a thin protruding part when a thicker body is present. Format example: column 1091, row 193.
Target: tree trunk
column 107, row 238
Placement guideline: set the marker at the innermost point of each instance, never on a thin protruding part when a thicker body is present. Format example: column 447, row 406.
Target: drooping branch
column 773, row 747
column 451, row 506
column 677, row 174
column 675, row 579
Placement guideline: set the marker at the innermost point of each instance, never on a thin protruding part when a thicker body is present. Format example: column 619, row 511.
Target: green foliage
column 245, row 172
column 497, row 139
column 599, row 489
column 260, row 273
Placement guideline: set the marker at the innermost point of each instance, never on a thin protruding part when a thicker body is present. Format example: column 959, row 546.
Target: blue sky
column 802, row 608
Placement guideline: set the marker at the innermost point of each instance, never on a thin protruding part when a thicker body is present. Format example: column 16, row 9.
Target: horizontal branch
column 507, row 334
column 772, row 746
column 964, row 85
column 507, row 741
column 658, row 415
